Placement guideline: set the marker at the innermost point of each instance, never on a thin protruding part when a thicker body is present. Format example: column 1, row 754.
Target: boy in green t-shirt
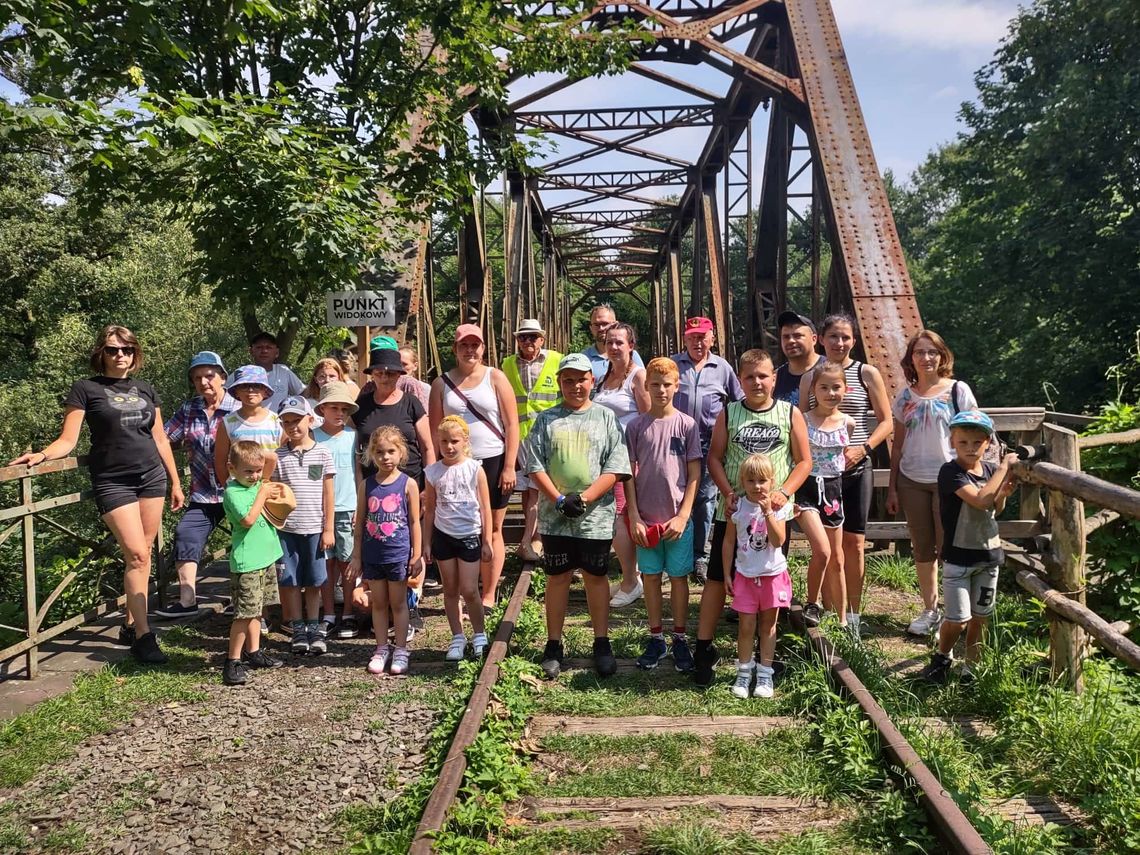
column 576, row 453
column 254, row 550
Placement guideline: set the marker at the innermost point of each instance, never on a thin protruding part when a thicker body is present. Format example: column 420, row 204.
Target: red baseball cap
column 468, row 331
column 698, row 326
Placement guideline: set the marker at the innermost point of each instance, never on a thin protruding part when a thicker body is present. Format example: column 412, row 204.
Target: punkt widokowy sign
column 361, row 309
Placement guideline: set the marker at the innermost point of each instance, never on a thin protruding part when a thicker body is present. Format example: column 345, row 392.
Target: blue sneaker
column 655, row 651
column 682, row 657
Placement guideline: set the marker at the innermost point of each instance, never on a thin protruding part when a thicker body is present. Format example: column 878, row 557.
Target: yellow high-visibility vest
column 543, row 396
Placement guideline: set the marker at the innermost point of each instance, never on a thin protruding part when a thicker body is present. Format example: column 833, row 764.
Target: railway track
column 762, row 816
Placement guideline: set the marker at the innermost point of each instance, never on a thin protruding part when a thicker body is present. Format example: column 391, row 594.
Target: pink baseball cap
column 698, row 325
column 468, row 331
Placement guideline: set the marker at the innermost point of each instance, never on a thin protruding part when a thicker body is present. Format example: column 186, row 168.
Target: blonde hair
column 757, row 466
column 313, row 390
column 826, row 368
column 394, row 436
column 455, row 422
column 247, row 452
column 663, row 366
column 755, row 356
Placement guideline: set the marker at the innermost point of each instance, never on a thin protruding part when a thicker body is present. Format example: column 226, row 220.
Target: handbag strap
column 471, row 408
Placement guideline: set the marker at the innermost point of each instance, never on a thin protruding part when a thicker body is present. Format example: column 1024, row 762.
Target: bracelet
column 784, row 493
column 867, row 448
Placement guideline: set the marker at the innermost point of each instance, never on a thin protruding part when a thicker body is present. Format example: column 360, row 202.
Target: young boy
column 254, row 549
column 575, row 455
column 309, row 531
column 972, row 493
column 336, row 405
column 251, row 421
column 758, row 424
column 665, row 456
column 264, row 352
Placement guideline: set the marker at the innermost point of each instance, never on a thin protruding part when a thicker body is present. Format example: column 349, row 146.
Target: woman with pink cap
column 483, row 398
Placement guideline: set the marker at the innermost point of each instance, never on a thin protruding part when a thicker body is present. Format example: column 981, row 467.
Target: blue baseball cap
column 575, row 362
column 973, row 419
column 249, row 375
column 206, row 357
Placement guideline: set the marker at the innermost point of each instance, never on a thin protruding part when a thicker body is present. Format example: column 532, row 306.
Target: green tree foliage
column 1027, row 225
column 280, row 130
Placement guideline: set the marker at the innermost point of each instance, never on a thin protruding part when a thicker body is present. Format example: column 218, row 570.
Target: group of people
column 685, row 467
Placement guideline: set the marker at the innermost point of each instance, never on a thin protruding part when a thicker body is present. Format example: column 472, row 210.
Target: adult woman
column 482, row 397
column 384, row 404
column 130, row 464
column 622, row 391
column 327, row 370
column 195, row 426
column 922, row 411
column 866, row 394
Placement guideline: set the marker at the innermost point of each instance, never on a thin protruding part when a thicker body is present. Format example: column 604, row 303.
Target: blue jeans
column 704, row 509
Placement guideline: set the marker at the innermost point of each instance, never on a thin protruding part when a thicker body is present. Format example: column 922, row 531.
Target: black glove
column 571, row 506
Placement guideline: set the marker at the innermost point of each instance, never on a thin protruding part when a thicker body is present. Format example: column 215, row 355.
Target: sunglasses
column 528, row 337
column 111, row 350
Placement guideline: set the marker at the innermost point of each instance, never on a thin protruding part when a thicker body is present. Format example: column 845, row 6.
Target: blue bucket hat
column 973, row 419
column 249, row 375
column 207, row 357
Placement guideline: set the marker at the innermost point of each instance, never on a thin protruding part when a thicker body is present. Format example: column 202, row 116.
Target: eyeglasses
column 528, row 337
column 927, row 354
column 111, row 350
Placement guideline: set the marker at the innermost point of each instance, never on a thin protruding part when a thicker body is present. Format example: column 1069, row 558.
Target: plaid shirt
column 191, row 428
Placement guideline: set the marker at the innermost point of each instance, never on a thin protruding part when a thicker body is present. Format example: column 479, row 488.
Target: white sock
column 330, row 618
column 742, row 664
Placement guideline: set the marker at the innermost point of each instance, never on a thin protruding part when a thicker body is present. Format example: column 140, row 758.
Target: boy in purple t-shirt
column 665, row 454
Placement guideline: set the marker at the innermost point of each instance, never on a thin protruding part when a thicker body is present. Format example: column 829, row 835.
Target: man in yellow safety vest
column 533, row 374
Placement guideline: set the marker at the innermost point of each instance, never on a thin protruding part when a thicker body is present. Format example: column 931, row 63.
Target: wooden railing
column 23, row 518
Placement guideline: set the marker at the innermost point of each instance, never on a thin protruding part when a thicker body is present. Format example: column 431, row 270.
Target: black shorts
column 444, row 547
column 493, row 468
column 858, row 489
column 823, row 496
column 118, row 490
column 195, row 528
column 562, row 554
column 716, row 560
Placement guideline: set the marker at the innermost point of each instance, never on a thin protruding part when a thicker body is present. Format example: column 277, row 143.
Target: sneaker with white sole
column 627, row 598
column 927, row 622
column 764, row 687
column 743, row 684
column 400, row 660
column 457, row 649
column 379, row 660
column 479, row 645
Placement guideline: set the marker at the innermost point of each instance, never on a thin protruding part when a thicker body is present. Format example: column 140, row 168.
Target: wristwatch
column 784, row 493
column 867, row 449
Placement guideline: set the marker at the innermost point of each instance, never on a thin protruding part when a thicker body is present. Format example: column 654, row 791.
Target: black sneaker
column 324, row 628
column 700, row 573
column 300, row 640
column 261, row 659
column 126, row 635
column 655, row 651
column 704, row 665
column 604, row 662
column 938, row 671
column 682, row 657
column 317, row 643
column 415, row 622
column 812, row 614
column 146, row 650
column 234, row 673
column 176, row 610
column 552, row 657
column 347, row 628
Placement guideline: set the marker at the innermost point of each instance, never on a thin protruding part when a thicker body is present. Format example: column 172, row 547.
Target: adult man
column 264, row 351
column 601, row 319
column 706, row 385
column 797, row 341
column 533, row 374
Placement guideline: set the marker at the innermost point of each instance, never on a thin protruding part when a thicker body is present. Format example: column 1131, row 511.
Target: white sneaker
column 479, row 645
column 744, row 674
column 627, row 598
column 457, row 649
column 764, row 687
column 925, row 623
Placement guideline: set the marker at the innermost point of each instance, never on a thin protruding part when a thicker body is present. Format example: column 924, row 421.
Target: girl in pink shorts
column 759, row 582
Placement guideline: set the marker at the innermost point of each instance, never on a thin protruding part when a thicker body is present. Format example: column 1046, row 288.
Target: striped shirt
column 856, row 402
column 305, row 471
column 266, row 432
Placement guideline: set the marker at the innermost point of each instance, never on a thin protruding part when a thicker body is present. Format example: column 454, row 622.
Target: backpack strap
column 954, row 398
column 471, row 408
column 859, row 373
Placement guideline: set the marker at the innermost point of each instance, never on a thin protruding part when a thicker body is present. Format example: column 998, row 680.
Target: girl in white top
column 922, row 411
column 623, row 392
column 457, row 518
column 760, row 584
column 820, row 500
column 482, row 397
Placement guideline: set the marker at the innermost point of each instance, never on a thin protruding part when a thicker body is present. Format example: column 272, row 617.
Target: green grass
column 696, row 837
column 97, row 703
column 892, row 571
column 559, row 842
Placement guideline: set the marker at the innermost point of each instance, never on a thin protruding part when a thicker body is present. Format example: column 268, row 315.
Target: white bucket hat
column 532, row 326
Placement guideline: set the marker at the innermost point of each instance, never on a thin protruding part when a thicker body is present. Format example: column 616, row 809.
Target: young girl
column 387, row 543
column 457, row 513
column 761, row 585
column 820, row 499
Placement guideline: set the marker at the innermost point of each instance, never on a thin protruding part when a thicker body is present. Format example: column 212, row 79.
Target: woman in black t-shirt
column 384, row 404
column 130, row 464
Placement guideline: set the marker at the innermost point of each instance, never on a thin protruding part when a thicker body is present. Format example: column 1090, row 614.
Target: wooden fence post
column 1065, row 560
column 28, row 524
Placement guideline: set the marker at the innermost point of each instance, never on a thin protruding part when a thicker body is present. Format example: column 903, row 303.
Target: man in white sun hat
column 532, row 371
